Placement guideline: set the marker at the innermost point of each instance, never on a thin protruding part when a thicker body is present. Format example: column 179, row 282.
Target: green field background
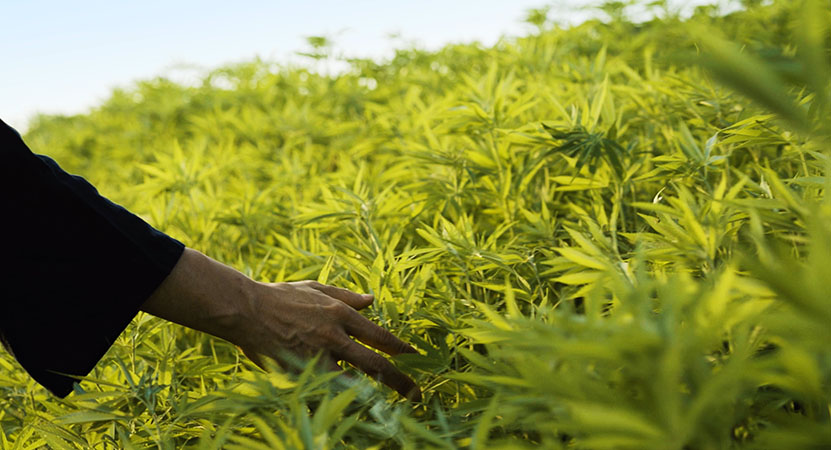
column 608, row 236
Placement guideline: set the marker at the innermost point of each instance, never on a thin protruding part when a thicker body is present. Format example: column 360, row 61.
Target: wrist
column 243, row 310
column 233, row 308
column 206, row 295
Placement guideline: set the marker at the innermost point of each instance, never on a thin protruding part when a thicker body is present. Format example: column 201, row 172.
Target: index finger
column 353, row 299
column 374, row 335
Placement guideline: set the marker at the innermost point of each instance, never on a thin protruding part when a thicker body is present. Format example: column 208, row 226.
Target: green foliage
column 607, row 236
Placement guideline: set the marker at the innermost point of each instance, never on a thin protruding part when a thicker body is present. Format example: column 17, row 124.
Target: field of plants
column 607, row 236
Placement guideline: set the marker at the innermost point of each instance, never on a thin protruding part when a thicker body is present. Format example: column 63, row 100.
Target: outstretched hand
column 273, row 319
column 307, row 317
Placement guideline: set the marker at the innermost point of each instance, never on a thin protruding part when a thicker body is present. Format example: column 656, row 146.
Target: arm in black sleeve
column 77, row 267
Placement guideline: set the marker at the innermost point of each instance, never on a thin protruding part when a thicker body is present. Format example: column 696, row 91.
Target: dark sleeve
column 76, row 267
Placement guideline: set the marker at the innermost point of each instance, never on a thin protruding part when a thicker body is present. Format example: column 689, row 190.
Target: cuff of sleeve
column 83, row 266
column 90, row 331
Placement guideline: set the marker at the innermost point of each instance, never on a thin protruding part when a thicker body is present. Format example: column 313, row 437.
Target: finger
column 293, row 361
column 380, row 369
column 332, row 366
column 353, row 299
column 344, row 378
column 375, row 336
column 328, row 363
column 255, row 358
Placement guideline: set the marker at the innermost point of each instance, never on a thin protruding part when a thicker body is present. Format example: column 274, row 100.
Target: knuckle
column 330, row 334
column 339, row 310
column 403, row 347
column 379, row 334
column 340, row 347
column 388, row 339
column 378, row 365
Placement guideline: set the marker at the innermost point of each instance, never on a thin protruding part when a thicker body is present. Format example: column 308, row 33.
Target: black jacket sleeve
column 76, row 267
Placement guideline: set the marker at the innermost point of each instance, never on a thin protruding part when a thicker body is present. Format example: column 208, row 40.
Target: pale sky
column 66, row 56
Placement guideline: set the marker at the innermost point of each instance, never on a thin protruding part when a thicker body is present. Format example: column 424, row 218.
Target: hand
column 307, row 317
column 302, row 318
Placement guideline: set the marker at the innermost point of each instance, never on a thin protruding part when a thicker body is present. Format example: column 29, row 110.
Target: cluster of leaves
column 612, row 235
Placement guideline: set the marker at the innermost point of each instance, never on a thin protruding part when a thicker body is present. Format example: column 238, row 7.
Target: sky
column 60, row 57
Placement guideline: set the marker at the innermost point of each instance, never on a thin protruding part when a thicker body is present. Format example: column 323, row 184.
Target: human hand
column 270, row 319
column 306, row 317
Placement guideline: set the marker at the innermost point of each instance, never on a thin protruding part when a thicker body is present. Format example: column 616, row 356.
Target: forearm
column 205, row 295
